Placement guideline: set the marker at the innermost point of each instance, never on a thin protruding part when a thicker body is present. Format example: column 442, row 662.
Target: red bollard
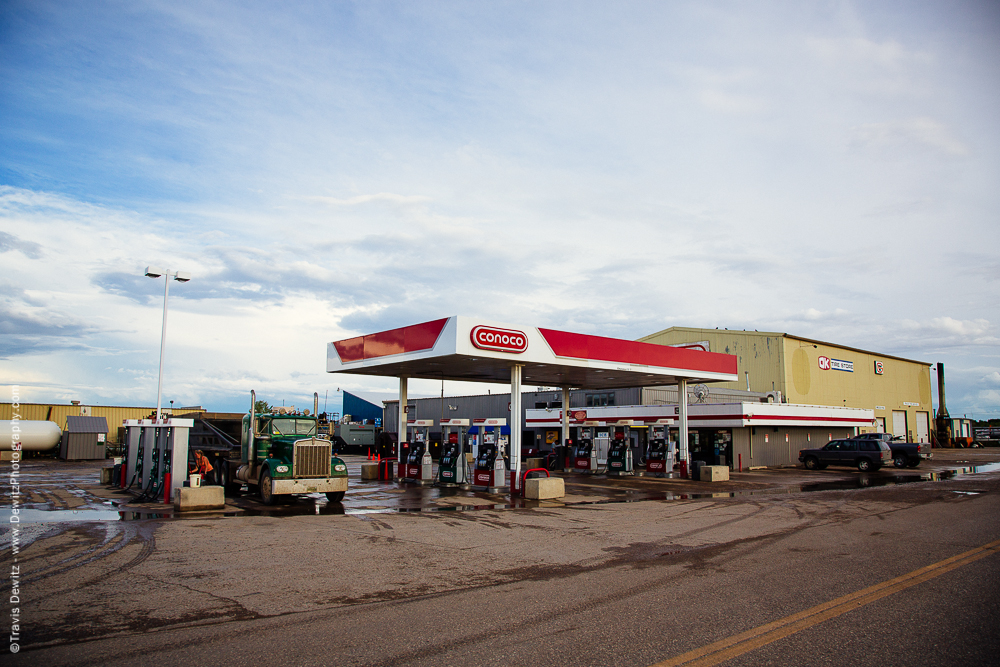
column 123, row 476
column 684, row 469
column 166, row 488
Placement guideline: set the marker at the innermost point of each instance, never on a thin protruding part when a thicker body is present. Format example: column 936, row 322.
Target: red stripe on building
column 413, row 338
column 697, row 418
column 856, row 420
column 599, row 348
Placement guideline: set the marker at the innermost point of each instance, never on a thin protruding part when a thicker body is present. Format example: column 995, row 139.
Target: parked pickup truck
column 904, row 454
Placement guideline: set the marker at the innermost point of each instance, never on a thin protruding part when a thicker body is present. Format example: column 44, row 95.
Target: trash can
column 696, row 470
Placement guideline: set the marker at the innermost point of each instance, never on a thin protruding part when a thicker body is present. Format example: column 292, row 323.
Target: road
column 859, row 577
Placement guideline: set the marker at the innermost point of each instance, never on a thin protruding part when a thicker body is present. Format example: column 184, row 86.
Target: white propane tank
column 35, row 436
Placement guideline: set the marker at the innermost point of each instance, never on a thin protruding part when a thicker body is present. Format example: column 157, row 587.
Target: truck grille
column 312, row 458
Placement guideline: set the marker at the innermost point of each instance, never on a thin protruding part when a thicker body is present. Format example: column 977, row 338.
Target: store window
column 598, row 400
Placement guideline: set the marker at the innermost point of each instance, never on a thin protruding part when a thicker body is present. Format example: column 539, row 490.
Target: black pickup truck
column 904, row 454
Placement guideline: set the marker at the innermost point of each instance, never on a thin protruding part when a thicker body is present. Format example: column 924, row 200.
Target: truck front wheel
column 266, row 491
column 335, row 496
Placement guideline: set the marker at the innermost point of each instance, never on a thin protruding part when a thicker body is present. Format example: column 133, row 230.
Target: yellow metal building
column 812, row 372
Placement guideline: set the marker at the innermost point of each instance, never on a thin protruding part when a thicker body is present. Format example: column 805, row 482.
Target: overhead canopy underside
column 473, row 350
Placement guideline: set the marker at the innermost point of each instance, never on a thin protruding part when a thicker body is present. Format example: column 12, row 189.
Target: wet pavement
column 69, row 492
column 676, row 561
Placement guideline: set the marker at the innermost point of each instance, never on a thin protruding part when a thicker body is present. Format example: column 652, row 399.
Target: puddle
column 30, row 515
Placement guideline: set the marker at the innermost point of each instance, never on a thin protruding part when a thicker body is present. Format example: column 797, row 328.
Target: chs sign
column 500, row 340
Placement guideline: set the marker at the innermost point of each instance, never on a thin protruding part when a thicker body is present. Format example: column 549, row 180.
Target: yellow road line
column 731, row 647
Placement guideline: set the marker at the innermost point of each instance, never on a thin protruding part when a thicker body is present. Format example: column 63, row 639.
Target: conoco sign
column 500, row 340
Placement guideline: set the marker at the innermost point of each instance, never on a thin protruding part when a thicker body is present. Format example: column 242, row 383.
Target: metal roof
column 75, row 424
column 475, row 350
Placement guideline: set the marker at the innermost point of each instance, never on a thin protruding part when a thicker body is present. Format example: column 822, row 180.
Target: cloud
column 366, row 199
column 335, row 169
column 9, row 243
column 859, row 51
column 950, row 332
column 896, row 137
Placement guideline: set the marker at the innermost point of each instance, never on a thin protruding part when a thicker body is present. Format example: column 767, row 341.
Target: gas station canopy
column 475, row 350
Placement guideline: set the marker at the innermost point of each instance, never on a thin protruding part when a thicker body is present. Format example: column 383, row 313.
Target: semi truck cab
column 282, row 454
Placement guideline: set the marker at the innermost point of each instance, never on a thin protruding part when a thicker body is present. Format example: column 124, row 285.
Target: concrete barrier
column 532, row 463
column 106, row 475
column 715, row 473
column 369, row 470
column 542, row 488
column 201, row 498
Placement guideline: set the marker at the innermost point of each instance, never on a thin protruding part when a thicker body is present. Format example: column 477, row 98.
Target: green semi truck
column 281, row 453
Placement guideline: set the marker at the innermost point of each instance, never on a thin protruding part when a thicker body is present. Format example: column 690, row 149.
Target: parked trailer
column 355, row 438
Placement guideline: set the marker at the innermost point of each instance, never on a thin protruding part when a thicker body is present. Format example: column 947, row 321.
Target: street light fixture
column 181, row 277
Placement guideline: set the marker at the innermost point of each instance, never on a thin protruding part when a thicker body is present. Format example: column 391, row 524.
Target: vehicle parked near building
column 281, row 454
column 904, row 454
column 865, row 455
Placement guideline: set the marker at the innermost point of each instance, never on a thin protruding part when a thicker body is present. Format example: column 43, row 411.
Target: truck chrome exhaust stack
column 252, row 428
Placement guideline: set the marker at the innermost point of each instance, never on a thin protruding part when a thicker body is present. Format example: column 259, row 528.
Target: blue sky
column 328, row 169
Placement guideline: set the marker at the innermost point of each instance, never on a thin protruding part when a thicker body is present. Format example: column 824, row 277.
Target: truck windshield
column 293, row 427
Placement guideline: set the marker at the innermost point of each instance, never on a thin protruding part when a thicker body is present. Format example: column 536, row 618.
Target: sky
column 329, row 169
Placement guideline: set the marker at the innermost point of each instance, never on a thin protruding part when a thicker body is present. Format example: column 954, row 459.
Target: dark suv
column 865, row 455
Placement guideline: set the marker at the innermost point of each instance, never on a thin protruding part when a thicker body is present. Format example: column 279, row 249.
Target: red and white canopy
column 477, row 350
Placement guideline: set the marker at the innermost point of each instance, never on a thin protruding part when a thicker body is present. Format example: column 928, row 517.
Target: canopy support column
column 402, row 437
column 682, row 421
column 565, row 419
column 515, row 429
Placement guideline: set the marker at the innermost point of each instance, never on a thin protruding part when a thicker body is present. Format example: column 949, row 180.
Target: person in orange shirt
column 203, row 467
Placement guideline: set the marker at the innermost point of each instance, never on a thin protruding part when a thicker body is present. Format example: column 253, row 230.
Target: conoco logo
column 502, row 340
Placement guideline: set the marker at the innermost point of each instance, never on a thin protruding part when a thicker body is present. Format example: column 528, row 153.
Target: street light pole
column 181, row 277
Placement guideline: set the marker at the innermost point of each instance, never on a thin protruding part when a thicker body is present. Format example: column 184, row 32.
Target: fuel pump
column 660, row 460
column 156, row 458
column 620, row 451
column 419, row 467
column 491, row 471
column 585, row 458
column 452, row 467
